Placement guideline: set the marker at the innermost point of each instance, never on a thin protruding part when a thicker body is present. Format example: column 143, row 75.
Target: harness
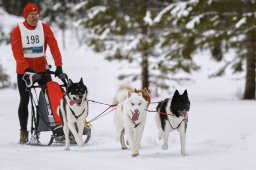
column 135, row 125
column 185, row 118
column 73, row 113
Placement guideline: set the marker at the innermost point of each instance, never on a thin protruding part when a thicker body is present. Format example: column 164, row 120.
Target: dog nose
column 136, row 110
column 80, row 97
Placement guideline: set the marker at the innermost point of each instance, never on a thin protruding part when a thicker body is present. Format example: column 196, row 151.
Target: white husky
column 74, row 110
column 130, row 119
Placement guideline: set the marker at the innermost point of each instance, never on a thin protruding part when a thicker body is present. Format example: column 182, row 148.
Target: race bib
column 32, row 41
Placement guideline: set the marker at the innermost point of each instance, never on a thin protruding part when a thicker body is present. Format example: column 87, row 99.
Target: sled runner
column 46, row 123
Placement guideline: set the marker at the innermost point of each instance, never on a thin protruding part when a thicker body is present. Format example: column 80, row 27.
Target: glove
column 58, row 71
column 29, row 70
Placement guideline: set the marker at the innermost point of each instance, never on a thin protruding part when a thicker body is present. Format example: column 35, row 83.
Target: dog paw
column 123, row 148
column 67, row 149
column 135, row 154
column 80, row 144
column 164, row 147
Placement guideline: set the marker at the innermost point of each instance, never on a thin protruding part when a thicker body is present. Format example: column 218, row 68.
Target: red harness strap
column 103, row 113
column 111, row 105
column 160, row 112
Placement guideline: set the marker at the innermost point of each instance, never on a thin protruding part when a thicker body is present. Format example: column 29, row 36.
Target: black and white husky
column 172, row 115
column 130, row 119
column 74, row 110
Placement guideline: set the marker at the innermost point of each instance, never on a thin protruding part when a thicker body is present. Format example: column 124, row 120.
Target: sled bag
column 55, row 94
column 43, row 113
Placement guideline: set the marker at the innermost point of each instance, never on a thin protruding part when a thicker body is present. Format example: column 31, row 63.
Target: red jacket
column 37, row 64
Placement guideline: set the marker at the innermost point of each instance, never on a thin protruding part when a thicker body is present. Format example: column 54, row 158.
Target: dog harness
column 184, row 116
column 135, row 125
column 73, row 113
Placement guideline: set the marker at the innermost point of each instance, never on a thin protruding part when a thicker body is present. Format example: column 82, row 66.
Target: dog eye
column 139, row 104
column 133, row 104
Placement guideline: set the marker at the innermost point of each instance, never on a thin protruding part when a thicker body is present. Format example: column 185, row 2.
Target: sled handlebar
column 31, row 78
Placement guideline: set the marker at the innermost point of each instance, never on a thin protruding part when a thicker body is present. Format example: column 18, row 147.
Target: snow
column 162, row 12
column 193, row 22
column 148, row 20
column 104, row 34
column 80, row 5
column 95, row 11
column 220, row 136
column 240, row 22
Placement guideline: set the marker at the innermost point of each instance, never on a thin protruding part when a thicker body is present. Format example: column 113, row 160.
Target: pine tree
column 14, row 7
column 60, row 13
column 127, row 31
column 222, row 26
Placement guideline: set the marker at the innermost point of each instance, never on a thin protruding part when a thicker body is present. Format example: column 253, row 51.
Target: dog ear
column 185, row 93
column 81, row 81
column 69, row 82
column 146, row 93
column 145, row 90
column 136, row 91
column 176, row 93
column 140, row 94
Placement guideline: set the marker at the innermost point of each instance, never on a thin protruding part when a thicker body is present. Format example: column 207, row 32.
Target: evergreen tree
column 60, row 13
column 14, row 7
column 127, row 31
column 222, row 26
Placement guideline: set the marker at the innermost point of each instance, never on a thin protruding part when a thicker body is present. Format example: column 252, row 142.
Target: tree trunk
column 250, row 67
column 145, row 75
column 144, row 63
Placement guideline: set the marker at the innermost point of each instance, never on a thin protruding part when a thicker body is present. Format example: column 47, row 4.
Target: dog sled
column 45, row 96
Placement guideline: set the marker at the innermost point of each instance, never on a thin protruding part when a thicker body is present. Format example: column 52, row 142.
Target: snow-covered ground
column 221, row 129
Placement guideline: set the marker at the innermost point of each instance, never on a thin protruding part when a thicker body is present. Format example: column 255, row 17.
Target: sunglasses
column 33, row 15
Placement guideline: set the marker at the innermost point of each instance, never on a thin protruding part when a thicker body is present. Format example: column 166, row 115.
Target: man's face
column 32, row 18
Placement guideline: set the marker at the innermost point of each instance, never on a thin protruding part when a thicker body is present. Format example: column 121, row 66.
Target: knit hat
column 29, row 8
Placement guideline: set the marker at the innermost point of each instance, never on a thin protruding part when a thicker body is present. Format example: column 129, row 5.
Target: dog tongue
column 135, row 116
column 77, row 101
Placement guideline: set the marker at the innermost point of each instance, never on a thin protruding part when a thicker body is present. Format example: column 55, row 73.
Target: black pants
column 24, row 100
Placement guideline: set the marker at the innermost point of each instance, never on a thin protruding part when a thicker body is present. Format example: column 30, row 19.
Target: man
column 29, row 41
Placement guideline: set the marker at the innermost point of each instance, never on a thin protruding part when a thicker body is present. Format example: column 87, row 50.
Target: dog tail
column 122, row 93
column 159, row 127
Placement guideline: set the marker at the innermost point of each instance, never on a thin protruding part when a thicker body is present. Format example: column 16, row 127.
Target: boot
column 23, row 136
column 59, row 134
